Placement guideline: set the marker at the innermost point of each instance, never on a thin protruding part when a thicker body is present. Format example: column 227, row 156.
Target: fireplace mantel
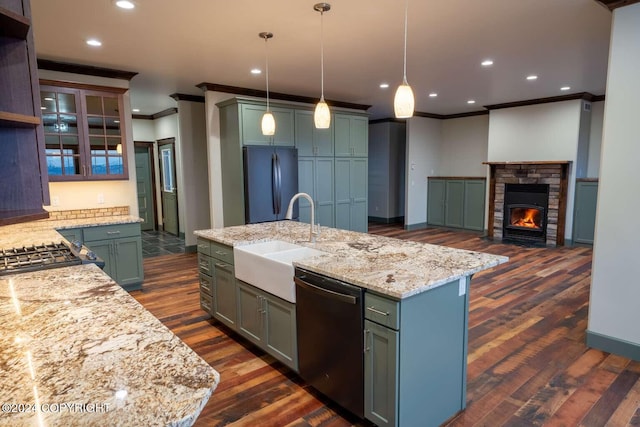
column 552, row 172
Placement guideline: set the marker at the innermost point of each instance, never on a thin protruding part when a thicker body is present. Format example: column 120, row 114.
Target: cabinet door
column 306, row 184
column 251, row 125
column 250, row 308
column 304, row 133
column 435, row 201
column 285, row 125
column 104, row 250
column 128, row 262
column 342, row 135
column 454, row 206
column 585, row 212
column 359, row 136
column 474, row 196
column 380, row 374
column 343, row 193
column 323, row 198
column 224, row 293
column 358, row 180
column 280, row 330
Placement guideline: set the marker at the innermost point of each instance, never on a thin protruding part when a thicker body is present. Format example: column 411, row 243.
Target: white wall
column 85, row 195
column 615, row 292
column 424, row 138
column 540, row 132
column 144, row 130
column 464, row 146
column 595, row 139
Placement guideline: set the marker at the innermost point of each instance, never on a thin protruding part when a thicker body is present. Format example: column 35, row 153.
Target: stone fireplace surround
column 554, row 173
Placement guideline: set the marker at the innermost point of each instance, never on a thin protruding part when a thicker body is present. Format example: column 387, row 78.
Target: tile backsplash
column 89, row 213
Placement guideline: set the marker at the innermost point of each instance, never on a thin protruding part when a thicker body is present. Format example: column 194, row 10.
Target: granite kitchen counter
column 76, row 349
column 393, row 267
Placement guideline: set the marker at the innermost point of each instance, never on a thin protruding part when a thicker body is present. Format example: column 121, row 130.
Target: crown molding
column 88, row 70
column 582, row 95
column 614, row 4
column 186, row 97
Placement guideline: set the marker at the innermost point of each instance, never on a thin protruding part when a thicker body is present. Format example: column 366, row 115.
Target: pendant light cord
column 406, row 9
column 322, row 55
column 266, row 48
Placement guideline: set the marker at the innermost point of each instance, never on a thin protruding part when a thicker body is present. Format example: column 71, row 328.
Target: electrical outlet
column 55, row 201
column 100, row 198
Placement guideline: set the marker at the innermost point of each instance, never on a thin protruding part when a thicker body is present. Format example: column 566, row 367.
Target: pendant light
column 268, row 122
column 322, row 115
column 403, row 102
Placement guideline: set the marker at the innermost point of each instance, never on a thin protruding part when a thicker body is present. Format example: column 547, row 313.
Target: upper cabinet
column 84, row 137
column 23, row 173
column 351, row 135
column 309, row 140
column 251, row 125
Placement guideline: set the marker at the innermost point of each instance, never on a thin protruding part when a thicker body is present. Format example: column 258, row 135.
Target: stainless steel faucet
column 289, row 215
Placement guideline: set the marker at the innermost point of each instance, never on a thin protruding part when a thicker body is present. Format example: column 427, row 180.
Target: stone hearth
column 554, row 173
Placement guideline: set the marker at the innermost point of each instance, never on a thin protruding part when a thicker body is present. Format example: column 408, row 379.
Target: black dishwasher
column 329, row 316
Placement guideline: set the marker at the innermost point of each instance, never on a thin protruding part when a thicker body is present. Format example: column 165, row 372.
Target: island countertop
column 393, row 267
column 76, row 349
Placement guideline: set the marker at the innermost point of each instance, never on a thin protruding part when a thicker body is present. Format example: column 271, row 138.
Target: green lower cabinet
column 224, row 293
column 435, row 201
column 269, row 322
column 206, row 292
column 72, row 234
column 474, row 201
column 351, row 194
column 315, row 177
column 454, row 204
column 458, row 203
column 584, row 222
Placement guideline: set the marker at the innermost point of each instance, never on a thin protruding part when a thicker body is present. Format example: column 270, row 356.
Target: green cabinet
column 269, row 322
column 120, row 246
column 351, row 135
column 458, row 203
column 251, row 125
column 309, row 140
column 584, row 221
column 416, row 356
column 351, row 194
column 71, row 234
column 217, row 281
column 315, row 177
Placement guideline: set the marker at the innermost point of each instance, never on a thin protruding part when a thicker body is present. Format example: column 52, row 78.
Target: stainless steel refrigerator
column 270, row 180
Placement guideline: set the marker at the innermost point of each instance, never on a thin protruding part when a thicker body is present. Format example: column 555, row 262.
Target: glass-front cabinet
column 84, row 138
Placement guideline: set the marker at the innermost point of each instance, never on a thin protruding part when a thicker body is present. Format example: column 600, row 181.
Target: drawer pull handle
column 382, row 313
column 221, row 253
column 113, row 232
column 220, row 265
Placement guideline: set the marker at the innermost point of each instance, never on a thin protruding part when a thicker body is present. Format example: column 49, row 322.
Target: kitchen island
column 77, row 349
column 416, row 304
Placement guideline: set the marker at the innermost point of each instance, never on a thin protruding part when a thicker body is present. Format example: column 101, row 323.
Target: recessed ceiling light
column 565, row 88
column 487, row 63
column 48, row 98
column 125, row 4
column 135, row 110
column 94, row 42
column 43, row 108
column 384, row 85
column 532, row 77
column 433, row 95
column 471, row 101
column 256, row 71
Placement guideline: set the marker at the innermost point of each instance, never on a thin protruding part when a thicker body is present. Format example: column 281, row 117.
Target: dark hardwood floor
column 527, row 363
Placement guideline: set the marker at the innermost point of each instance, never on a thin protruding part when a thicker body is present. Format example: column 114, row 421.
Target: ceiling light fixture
column 532, row 77
column 268, row 122
column 94, row 42
column 471, row 101
column 433, row 95
column 136, row 110
column 256, row 70
column 404, row 102
column 565, row 88
column 487, row 63
column 125, row 4
column 322, row 115
column 384, row 85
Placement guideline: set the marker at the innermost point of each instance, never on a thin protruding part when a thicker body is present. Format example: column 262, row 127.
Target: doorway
column 145, row 184
column 168, row 185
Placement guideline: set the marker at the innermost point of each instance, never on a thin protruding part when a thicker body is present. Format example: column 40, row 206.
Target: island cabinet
column 217, row 281
column 416, row 356
column 351, row 194
column 456, row 202
column 269, row 322
column 120, row 246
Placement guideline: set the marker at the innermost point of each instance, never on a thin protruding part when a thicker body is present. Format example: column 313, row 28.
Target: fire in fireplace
column 525, row 210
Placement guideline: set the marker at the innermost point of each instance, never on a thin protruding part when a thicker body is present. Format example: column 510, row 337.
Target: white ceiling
column 177, row 45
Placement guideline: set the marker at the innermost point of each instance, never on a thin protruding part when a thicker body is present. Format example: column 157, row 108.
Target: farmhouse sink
column 269, row 266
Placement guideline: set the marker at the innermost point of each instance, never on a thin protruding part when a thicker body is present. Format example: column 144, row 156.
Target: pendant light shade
column 404, row 102
column 322, row 115
column 268, row 121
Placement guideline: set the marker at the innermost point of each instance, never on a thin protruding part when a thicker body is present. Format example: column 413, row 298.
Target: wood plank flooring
column 527, row 363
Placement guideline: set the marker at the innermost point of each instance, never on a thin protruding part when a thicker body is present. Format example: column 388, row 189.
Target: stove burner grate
column 37, row 257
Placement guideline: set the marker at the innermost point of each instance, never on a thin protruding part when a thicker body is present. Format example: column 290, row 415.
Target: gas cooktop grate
column 37, row 257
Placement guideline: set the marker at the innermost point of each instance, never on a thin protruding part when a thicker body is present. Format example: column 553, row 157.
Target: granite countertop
column 44, row 231
column 393, row 267
column 85, row 352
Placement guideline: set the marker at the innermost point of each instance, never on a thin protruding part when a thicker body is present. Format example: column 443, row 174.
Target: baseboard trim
column 191, row 249
column 613, row 345
column 411, row 227
column 381, row 220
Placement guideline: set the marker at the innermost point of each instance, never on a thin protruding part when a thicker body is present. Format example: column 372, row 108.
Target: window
column 84, row 139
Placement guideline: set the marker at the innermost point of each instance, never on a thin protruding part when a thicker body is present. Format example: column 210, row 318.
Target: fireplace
column 525, row 213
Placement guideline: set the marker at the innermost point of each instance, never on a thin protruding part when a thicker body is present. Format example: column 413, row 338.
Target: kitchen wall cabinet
column 23, row 172
column 309, row 140
column 351, row 135
column 217, row 281
column 351, row 194
column 456, row 202
column 586, row 204
column 120, row 246
column 269, row 322
column 251, row 125
column 423, row 336
column 315, row 177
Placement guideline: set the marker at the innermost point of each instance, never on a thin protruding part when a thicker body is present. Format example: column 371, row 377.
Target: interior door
column 169, row 187
column 144, row 181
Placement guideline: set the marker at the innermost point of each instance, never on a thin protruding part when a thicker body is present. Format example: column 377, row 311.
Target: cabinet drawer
column 206, row 302
column 205, row 264
column 204, row 246
column 382, row 310
column 114, row 231
column 206, row 284
column 222, row 252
